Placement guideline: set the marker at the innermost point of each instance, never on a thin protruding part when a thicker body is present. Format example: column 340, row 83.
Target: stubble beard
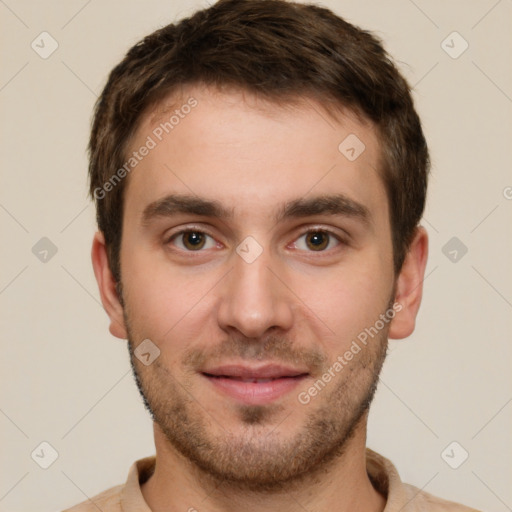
column 257, row 458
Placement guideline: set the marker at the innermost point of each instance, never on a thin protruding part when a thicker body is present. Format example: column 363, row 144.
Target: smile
column 255, row 386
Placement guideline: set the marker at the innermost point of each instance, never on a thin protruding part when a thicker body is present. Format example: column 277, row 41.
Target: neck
column 177, row 484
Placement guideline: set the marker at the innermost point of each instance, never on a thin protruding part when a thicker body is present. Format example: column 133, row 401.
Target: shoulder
column 106, row 501
column 401, row 496
column 424, row 501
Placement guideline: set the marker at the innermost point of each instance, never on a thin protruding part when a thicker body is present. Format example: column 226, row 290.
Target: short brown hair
column 278, row 50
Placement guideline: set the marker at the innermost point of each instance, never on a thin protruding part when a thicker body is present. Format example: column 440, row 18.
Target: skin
column 294, row 304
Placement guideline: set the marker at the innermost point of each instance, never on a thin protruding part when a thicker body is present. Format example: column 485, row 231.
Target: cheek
column 348, row 300
column 164, row 301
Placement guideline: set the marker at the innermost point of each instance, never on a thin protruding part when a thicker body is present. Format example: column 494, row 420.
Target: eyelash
column 192, row 229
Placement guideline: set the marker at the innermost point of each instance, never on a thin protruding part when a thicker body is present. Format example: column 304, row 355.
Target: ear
column 409, row 287
column 107, row 287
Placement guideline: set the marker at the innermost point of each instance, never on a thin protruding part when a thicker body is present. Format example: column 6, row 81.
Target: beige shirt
column 400, row 497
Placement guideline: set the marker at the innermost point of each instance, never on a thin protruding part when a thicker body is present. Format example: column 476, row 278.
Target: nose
column 254, row 299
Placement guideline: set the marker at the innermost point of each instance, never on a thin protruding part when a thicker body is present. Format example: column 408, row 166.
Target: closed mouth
column 254, row 380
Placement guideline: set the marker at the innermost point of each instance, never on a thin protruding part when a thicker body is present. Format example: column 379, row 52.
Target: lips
column 266, row 372
column 254, row 385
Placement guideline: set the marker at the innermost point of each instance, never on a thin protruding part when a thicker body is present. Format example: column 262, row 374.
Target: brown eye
column 193, row 240
column 317, row 240
column 190, row 240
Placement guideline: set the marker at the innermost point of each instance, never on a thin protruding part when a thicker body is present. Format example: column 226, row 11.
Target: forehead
column 248, row 152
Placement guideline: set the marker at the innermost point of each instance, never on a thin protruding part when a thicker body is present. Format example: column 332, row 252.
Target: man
column 259, row 173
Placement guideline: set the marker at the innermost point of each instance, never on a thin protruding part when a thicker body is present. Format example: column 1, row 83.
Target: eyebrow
column 174, row 204
column 332, row 204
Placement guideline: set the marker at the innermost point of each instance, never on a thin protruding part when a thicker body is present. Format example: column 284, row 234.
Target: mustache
column 272, row 348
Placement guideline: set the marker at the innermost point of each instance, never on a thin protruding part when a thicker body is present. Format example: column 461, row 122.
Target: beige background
column 66, row 381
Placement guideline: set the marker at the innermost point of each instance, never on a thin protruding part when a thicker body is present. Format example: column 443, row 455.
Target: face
column 255, row 256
